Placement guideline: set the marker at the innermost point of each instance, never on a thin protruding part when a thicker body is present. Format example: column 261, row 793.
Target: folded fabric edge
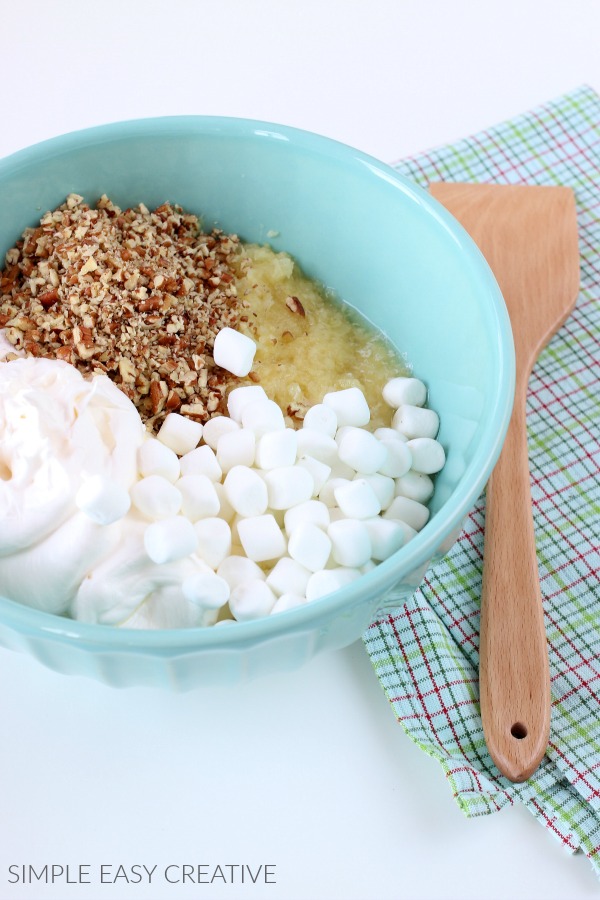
column 580, row 835
column 554, row 803
column 464, row 780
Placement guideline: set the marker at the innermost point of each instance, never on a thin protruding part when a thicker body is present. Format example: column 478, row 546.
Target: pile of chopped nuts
column 133, row 294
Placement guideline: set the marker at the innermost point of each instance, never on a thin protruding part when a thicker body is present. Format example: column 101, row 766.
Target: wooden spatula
column 529, row 238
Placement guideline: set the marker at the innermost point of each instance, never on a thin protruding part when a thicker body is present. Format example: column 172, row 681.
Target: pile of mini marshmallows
column 280, row 516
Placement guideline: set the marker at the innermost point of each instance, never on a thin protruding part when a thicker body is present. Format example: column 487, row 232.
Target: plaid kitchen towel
column 425, row 653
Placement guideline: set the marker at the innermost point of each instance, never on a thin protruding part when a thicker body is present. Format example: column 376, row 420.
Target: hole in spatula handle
column 519, row 731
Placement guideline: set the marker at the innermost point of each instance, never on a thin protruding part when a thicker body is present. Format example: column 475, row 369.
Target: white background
column 309, row 772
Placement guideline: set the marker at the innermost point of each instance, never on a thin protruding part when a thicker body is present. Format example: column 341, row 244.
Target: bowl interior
column 379, row 242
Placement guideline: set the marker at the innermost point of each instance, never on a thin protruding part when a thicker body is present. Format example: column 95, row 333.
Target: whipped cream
column 57, row 429
column 127, row 588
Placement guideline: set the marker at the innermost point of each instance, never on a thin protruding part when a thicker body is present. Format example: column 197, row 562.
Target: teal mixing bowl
column 381, row 244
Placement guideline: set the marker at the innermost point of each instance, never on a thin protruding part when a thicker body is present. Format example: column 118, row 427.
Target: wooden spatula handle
column 514, row 673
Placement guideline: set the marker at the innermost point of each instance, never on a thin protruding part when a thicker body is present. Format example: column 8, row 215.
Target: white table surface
column 309, row 772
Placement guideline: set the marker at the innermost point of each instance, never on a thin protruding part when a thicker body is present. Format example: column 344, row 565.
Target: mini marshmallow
column 180, row 433
column 318, row 445
column 416, row 422
column 362, row 451
column 239, row 570
column 398, row 459
column 344, row 429
column 288, row 575
column 349, row 405
column 155, row 497
column 392, row 434
column 310, row 511
column 400, row 391
column 206, row 589
column 428, row 456
column 383, row 486
column 357, row 499
column 288, row 601
column 410, row 511
column 408, row 532
column 261, row 537
column 310, row 546
column 234, row 351
column 341, row 469
column 214, row 541
column 414, row 485
column 386, row 537
column 251, row 600
column 235, row 538
column 261, row 416
column 226, row 511
column 276, row 448
column 240, row 397
column 199, row 497
column 319, row 471
column 201, row 461
column 236, row 448
column 216, row 427
column 329, row 580
column 170, row 539
column 102, row 500
column 246, row 491
column 327, row 492
column 288, row 486
column 278, row 515
column 155, row 458
column 321, row 417
column 351, row 545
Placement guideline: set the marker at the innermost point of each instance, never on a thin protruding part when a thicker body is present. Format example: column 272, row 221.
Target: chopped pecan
column 99, row 286
column 295, row 306
column 155, row 396
column 65, row 353
column 173, row 401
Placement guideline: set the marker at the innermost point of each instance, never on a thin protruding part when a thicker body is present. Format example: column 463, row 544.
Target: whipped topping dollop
column 127, row 588
column 56, row 430
column 59, row 433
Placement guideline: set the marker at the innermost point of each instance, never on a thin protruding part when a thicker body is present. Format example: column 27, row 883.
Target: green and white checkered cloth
column 426, row 652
